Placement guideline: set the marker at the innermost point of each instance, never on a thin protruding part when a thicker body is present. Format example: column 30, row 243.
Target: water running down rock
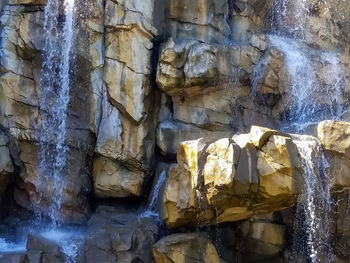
column 174, row 86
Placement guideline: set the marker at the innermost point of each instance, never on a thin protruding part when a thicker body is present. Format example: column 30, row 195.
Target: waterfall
column 289, row 17
column 312, row 96
column 310, row 100
column 152, row 208
column 316, row 202
column 54, row 99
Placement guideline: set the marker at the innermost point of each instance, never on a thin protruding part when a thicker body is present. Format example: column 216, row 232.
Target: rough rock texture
column 116, row 236
column 231, row 179
column 335, row 138
column 152, row 79
column 6, row 164
column 320, row 24
column 110, row 107
column 185, row 248
column 44, row 250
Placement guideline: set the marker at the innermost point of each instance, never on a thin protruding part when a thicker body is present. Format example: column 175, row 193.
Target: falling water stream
column 54, row 97
column 315, row 203
column 309, row 101
column 152, row 208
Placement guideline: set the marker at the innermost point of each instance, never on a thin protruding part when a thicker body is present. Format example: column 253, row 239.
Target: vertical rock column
column 125, row 139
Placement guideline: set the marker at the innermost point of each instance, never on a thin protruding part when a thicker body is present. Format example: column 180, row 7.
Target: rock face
column 152, row 80
column 6, row 164
column 44, row 250
column 192, row 247
column 334, row 136
column 114, row 236
column 232, row 179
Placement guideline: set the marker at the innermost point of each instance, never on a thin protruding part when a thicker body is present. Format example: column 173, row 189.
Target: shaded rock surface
column 119, row 236
column 191, row 247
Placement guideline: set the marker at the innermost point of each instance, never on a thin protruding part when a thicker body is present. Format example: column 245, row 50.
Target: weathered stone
column 185, row 248
column 171, row 133
column 335, row 138
column 37, row 189
column 122, row 140
column 51, row 252
column 225, row 181
column 189, row 68
column 111, row 179
column 279, row 167
column 117, row 236
column 260, row 240
column 204, row 20
column 6, row 164
column 13, row 258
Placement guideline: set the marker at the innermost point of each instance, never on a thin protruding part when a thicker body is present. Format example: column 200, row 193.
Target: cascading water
column 54, row 98
column 152, row 209
column 311, row 97
column 309, row 100
column 316, row 202
column 289, row 18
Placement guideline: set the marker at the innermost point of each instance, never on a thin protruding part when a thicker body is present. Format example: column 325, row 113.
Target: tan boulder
column 185, row 248
column 113, row 180
column 335, row 138
column 225, row 181
column 279, row 167
column 229, row 173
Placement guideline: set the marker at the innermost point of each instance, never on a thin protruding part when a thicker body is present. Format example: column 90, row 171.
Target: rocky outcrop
column 335, row 138
column 235, row 178
column 192, row 247
column 232, row 179
column 110, row 105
